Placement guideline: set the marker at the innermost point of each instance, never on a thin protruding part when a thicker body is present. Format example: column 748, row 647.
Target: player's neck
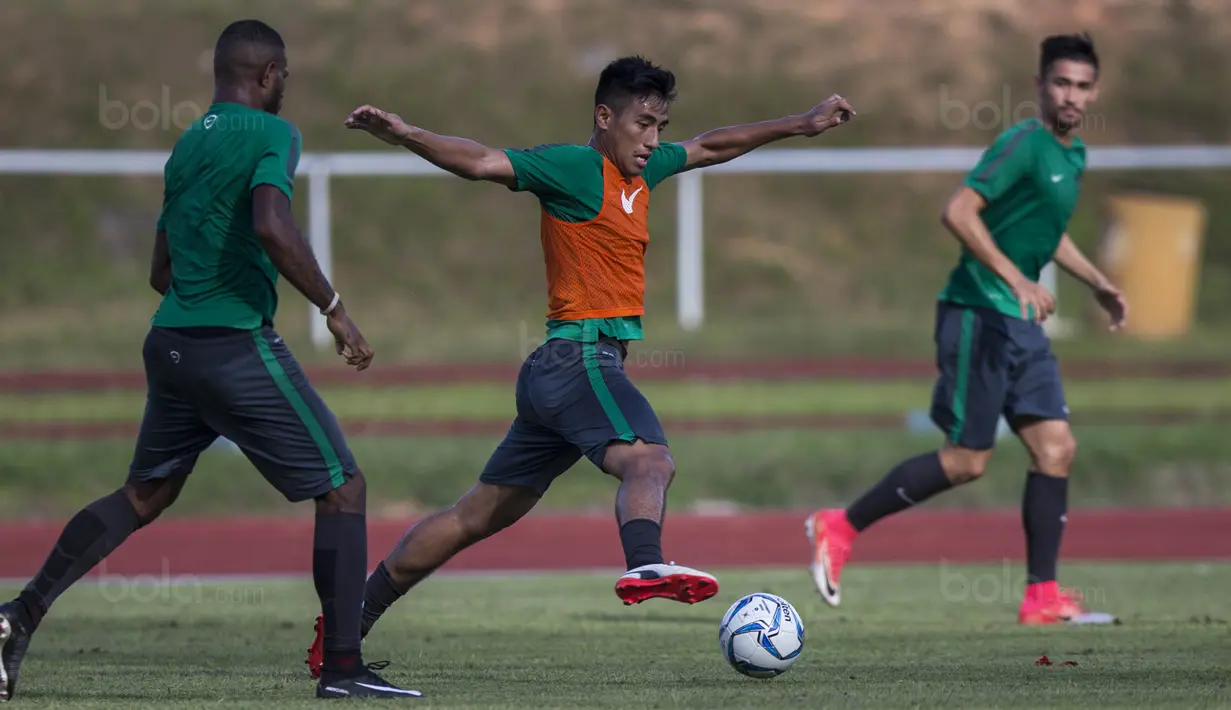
column 230, row 94
column 606, row 151
column 1064, row 137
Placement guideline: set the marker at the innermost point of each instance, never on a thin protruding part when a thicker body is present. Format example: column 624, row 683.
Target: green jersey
column 594, row 235
column 1031, row 182
column 220, row 273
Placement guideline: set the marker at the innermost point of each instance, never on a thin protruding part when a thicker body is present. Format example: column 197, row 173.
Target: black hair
column 633, row 78
column 1073, row 47
column 245, row 48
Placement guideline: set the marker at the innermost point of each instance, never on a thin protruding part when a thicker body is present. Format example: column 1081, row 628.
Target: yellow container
column 1151, row 250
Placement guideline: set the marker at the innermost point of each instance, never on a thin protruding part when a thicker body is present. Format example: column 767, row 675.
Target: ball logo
column 209, row 121
column 175, row 357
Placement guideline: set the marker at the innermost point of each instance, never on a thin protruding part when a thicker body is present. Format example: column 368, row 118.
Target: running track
column 176, row 549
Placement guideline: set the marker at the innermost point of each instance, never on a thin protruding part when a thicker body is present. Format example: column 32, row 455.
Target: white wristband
column 337, row 298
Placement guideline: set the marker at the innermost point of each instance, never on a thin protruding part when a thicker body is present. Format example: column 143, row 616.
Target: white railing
column 320, row 168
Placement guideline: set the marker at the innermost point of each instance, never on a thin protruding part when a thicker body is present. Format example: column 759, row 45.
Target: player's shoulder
column 673, row 152
column 571, row 152
column 278, row 128
column 1024, row 132
column 669, row 149
column 570, row 161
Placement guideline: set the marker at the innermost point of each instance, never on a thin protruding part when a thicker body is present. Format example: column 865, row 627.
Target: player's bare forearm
column 724, row 144
column 961, row 217
column 286, row 247
column 1069, row 257
column 463, row 157
column 160, row 264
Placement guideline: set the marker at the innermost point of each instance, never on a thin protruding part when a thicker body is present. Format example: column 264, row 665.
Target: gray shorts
column 991, row 365
column 245, row 386
column 573, row 400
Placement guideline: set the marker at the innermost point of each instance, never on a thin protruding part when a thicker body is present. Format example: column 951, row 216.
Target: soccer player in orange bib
column 573, row 396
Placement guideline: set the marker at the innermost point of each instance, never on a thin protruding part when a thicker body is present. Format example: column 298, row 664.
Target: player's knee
column 652, row 463
column 350, row 497
column 964, row 465
column 1054, row 456
column 486, row 510
column 474, row 526
column 150, row 498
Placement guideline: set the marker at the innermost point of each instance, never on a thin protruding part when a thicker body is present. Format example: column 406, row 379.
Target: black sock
column 378, row 595
column 909, row 483
column 90, row 536
column 642, row 541
column 339, row 561
column 1044, row 507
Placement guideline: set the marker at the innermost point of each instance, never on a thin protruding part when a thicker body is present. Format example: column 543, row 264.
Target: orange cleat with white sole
column 669, row 581
column 1045, row 604
column 831, row 536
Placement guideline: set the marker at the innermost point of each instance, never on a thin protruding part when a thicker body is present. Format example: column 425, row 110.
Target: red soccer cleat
column 1045, row 603
column 668, row 581
column 316, row 652
column 831, row 536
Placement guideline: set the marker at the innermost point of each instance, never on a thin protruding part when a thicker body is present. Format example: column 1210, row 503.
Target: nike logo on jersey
column 627, row 200
column 1057, row 178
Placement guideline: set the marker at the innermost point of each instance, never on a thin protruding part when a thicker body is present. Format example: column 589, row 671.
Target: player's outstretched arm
column 962, row 217
column 160, row 264
column 463, row 157
column 1069, row 257
column 291, row 254
column 723, row 144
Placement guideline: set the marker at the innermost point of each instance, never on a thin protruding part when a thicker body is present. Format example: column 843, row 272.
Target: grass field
column 905, row 637
column 670, row 399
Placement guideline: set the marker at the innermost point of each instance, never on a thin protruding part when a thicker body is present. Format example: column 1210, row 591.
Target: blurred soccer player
column 573, row 396
column 994, row 359
column 215, row 366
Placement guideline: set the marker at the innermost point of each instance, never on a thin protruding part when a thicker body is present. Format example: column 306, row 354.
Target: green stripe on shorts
column 610, row 408
column 283, row 381
column 966, row 336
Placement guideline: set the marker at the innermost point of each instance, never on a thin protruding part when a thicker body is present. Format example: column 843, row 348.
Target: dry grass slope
column 452, row 269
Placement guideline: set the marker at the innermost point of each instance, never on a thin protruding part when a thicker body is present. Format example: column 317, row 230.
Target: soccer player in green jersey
column 215, row 366
column 994, row 359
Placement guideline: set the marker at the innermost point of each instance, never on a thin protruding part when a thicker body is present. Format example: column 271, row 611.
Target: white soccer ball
column 761, row 635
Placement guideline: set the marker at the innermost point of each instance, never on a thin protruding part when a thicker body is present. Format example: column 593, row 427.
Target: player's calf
column 1044, row 517
column 483, row 511
column 831, row 533
column 645, row 472
column 339, row 566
